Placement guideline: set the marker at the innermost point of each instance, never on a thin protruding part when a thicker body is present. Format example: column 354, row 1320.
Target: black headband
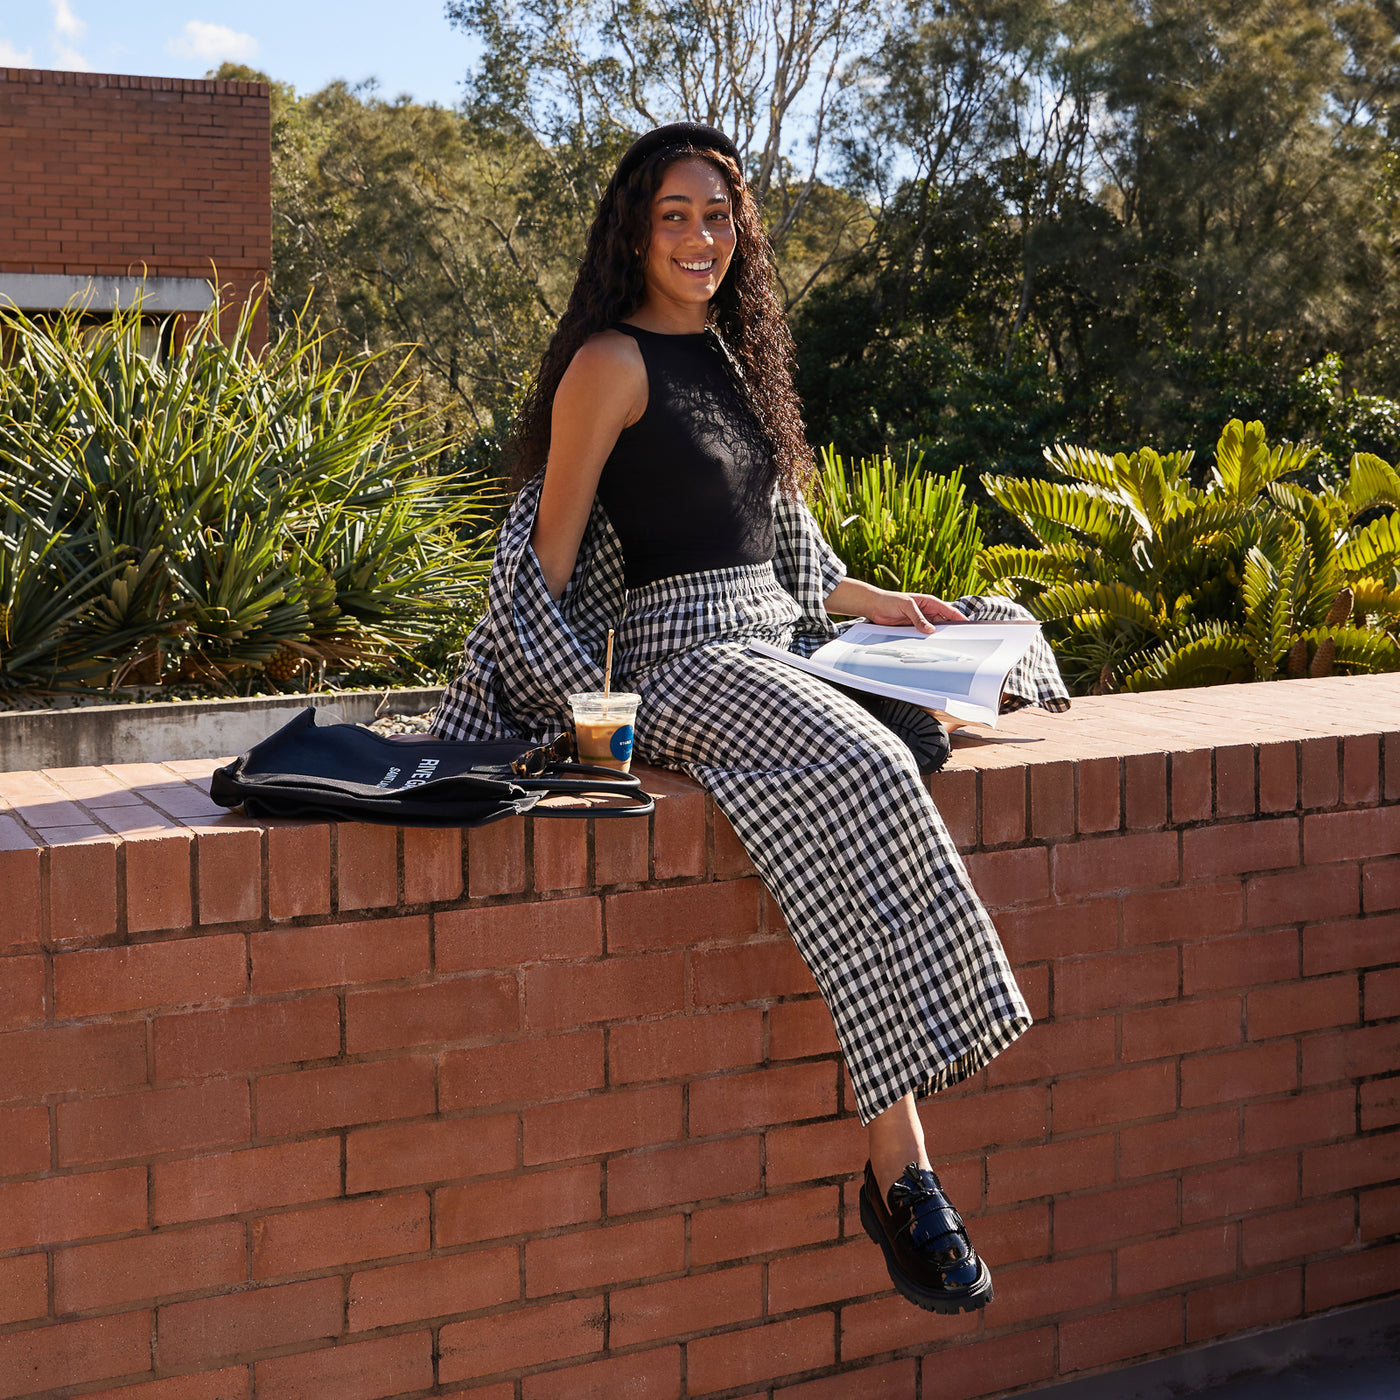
column 676, row 134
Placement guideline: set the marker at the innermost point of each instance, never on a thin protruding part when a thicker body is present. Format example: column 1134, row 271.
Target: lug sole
column 970, row 1299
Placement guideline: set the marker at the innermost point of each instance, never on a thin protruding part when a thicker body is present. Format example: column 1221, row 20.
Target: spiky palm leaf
column 1370, row 482
column 1324, row 578
column 1372, row 550
column 195, row 484
column 1058, row 514
column 1274, row 595
column 48, row 580
column 1373, row 598
column 1245, row 465
column 1194, row 525
column 1094, row 605
column 1152, row 488
column 1207, row 654
column 897, row 525
column 1146, row 581
column 1357, row 649
column 1004, row 563
column 1083, row 464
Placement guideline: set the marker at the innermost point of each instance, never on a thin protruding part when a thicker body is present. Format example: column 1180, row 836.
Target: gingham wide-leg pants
column 833, row 813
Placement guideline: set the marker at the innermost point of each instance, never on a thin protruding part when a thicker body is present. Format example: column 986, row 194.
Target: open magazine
column 959, row 669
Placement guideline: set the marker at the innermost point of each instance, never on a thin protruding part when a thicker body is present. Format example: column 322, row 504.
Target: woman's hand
column 852, row 598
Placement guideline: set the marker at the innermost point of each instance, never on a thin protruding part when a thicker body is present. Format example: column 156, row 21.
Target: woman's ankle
column 896, row 1139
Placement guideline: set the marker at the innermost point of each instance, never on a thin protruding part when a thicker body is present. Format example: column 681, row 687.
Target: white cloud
column 65, row 22
column 211, row 44
column 11, row 57
column 69, row 58
column 67, row 30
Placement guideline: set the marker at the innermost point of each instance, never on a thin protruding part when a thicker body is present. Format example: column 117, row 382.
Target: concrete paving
column 1376, row 1379
column 1349, row 1355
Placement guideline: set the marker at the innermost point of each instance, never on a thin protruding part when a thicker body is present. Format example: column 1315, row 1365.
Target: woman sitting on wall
column 670, row 507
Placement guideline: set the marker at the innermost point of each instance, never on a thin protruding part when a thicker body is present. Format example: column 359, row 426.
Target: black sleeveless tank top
column 689, row 485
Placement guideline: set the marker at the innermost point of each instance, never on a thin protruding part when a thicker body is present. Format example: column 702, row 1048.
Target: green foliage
column 580, row 77
column 898, row 526
column 1111, row 222
column 398, row 224
column 1147, row 582
column 458, row 233
column 1010, row 223
column 186, row 520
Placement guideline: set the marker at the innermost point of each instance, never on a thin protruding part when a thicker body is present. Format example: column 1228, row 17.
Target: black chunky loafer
column 927, row 1251
column 922, row 732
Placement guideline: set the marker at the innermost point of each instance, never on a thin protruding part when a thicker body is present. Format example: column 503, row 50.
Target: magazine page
column 959, row 668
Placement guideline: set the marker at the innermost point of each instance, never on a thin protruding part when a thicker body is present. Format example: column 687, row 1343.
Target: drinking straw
column 607, row 674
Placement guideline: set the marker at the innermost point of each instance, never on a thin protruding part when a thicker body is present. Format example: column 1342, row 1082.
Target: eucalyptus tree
column 976, row 94
column 580, row 77
column 966, row 326
column 409, row 218
column 398, row 224
column 1115, row 218
column 1245, row 144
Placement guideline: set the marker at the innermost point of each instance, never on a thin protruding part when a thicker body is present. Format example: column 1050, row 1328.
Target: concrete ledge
column 56, row 291
column 174, row 729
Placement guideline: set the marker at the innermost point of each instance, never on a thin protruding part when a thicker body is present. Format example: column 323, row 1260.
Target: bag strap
column 593, row 780
column 548, row 768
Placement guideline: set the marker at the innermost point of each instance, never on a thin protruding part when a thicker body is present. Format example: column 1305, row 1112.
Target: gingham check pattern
column 1035, row 678
column 529, row 653
column 826, row 800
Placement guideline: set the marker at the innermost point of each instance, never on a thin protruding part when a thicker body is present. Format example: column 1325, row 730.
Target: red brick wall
column 551, row 1110
column 123, row 176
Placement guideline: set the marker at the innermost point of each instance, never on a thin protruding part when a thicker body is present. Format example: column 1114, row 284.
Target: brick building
column 112, row 186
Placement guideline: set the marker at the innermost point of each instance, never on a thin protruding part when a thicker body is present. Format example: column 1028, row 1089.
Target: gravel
column 389, row 725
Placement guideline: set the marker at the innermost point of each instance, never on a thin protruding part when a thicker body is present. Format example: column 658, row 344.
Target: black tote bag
column 341, row 772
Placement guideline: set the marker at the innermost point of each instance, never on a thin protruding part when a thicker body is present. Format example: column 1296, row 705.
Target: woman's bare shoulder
column 608, row 352
column 607, row 371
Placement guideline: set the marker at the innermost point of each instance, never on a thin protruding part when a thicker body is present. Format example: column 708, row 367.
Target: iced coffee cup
column 603, row 727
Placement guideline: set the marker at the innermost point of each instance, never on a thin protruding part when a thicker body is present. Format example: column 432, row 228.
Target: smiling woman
column 690, row 244
column 652, row 362
column 674, row 196
column 669, row 510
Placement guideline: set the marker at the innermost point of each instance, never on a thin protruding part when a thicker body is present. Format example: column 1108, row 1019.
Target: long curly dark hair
column 745, row 313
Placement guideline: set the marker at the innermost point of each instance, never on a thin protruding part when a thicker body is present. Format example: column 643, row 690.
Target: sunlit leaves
column 1090, row 606
column 1206, row 654
column 1245, row 464
column 1146, row 582
column 1374, row 548
column 897, row 526
column 1061, row 514
column 182, row 518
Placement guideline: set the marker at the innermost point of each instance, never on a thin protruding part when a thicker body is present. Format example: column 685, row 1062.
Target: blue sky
column 406, row 45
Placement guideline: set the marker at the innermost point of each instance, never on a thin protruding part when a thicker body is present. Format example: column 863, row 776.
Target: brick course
column 382, row 1135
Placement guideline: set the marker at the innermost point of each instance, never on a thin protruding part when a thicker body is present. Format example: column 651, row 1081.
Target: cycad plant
column 212, row 515
column 898, row 526
column 1145, row 581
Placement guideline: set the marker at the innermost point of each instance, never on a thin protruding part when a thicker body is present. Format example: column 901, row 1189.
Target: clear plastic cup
column 603, row 727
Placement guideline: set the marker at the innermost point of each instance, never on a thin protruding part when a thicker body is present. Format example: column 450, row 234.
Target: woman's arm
column 852, row 598
column 603, row 391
